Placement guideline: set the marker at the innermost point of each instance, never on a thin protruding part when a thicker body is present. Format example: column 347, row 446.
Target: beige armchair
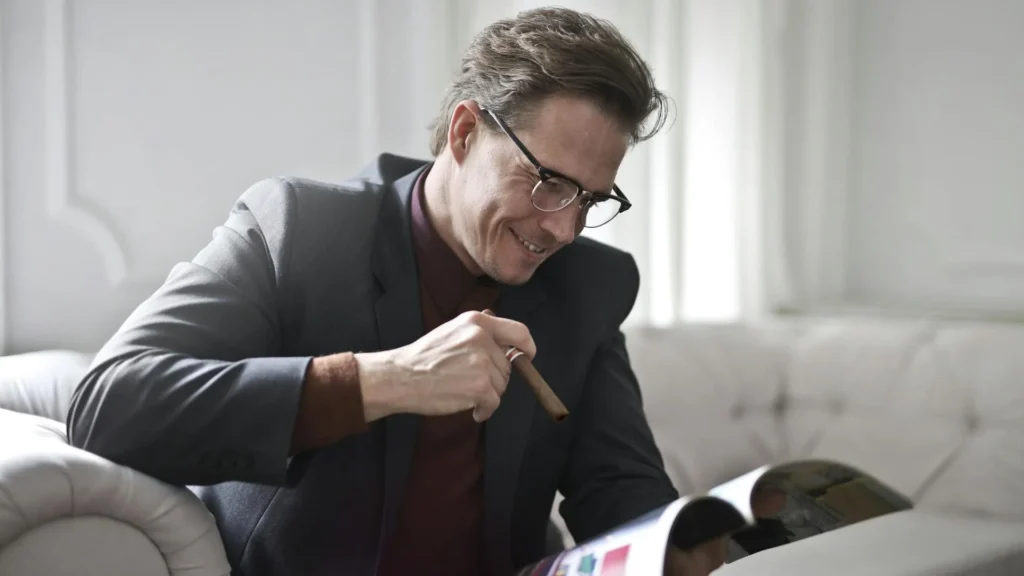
column 65, row 511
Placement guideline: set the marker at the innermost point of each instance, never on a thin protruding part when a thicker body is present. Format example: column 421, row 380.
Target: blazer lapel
column 399, row 322
column 506, row 432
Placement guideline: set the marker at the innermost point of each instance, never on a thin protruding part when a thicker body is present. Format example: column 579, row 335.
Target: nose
column 563, row 224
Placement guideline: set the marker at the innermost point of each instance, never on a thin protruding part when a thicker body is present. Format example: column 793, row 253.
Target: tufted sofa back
column 936, row 409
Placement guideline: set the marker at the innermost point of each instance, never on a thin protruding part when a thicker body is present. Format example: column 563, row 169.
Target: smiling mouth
column 527, row 244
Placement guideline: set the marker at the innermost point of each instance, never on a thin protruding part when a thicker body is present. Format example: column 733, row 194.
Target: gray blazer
column 200, row 385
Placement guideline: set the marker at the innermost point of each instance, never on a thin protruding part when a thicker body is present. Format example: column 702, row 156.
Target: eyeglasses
column 555, row 190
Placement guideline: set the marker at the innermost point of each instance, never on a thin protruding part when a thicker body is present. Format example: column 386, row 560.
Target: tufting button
column 972, row 422
column 737, row 411
column 779, row 406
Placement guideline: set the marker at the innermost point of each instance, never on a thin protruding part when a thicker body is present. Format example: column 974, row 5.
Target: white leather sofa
column 67, row 512
column 935, row 409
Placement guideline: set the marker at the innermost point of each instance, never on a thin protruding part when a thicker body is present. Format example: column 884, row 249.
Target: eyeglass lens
column 556, row 193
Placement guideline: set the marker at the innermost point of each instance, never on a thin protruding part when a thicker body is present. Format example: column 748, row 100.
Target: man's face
column 493, row 217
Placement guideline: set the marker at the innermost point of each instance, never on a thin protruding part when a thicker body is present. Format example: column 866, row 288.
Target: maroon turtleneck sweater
column 441, row 517
column 440, row 521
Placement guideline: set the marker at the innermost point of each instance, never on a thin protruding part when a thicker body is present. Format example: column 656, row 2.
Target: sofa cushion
column 41, row 383
column 712, row 395
column 933, row 408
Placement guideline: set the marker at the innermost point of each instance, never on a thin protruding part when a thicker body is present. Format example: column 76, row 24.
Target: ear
column 463, row 129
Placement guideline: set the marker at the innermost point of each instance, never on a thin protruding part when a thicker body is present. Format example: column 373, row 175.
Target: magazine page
column 738, row 491
column 723, row 511
column 635, row 548
column 820, row 496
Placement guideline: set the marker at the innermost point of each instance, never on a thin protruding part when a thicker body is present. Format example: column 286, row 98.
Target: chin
column 511, row 278
column 511, row 275
column 512, row 266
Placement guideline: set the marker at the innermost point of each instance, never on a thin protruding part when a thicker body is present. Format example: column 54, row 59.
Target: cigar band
column 512, row 353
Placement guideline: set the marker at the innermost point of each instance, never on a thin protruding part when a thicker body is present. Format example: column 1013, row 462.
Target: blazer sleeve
column 615, row 471
column 191, row 389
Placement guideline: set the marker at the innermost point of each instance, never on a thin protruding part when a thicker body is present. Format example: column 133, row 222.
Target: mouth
column 529, row 246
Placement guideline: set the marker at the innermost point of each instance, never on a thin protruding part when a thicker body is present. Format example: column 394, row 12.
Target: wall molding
column 660, row 303
column 60, row 202
column 978, row 262
column 819, row 71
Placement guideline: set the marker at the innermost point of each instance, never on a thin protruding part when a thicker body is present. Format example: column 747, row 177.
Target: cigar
column 545, row 395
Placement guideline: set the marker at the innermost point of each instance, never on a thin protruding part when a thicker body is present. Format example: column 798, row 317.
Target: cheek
column 500, row 204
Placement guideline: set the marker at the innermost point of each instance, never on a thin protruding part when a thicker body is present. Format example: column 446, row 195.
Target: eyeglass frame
column 546, row 173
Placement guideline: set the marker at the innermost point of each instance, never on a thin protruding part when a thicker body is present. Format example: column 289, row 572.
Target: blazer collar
column 393, row 258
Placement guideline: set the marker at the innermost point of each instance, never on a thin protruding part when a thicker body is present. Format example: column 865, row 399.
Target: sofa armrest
column 45, row 482
column 908, row 543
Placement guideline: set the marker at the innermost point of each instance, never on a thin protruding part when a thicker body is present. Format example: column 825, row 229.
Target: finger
column 768, row 502
column 715, row 552
column 709, row 556
column 500, row 375
column 499, row 362
column 486, row 407
column 699, row 560
column 508, row 332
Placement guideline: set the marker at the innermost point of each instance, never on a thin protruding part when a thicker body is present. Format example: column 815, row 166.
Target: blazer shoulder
column 286, row 202
column 284, row 198
column 596, row 276
column 301, row 222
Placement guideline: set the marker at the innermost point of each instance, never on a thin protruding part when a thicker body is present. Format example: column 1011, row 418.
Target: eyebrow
column 564, row 175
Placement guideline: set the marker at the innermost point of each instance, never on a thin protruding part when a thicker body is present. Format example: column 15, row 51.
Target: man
column 323, row 369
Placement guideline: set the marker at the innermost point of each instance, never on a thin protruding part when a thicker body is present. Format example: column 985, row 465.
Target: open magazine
column 820, row 496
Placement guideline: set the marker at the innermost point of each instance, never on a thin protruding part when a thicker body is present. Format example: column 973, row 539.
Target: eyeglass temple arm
column 515, row 139
column 626, row 204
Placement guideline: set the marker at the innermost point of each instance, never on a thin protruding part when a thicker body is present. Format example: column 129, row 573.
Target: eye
column 553, row 193
column 598, row 210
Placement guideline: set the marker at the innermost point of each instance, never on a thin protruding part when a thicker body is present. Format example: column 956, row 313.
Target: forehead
column 574, row 137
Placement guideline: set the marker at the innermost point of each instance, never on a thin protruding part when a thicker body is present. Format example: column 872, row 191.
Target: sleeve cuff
column 331, row 404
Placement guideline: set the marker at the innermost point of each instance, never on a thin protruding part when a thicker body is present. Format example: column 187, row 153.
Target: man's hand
column 460, row 365
column 710, row 556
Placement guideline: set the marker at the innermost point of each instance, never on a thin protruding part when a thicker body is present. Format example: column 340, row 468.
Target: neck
column 438, row 207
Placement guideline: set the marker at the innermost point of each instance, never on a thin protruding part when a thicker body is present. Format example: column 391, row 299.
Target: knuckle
column 479, row 360
column 471, row 334
column 482, row 388
column 472, row 330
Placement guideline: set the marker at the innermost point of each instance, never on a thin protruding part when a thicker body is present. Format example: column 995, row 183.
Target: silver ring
column 512, row 353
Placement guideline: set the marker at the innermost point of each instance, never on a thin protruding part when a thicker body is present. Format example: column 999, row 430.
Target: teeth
column 531, row 247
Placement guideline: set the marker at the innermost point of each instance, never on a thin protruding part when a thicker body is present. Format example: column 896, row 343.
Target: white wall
column 856, row 152
column 905, row 185
column 938, row 198
column 129, row 128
